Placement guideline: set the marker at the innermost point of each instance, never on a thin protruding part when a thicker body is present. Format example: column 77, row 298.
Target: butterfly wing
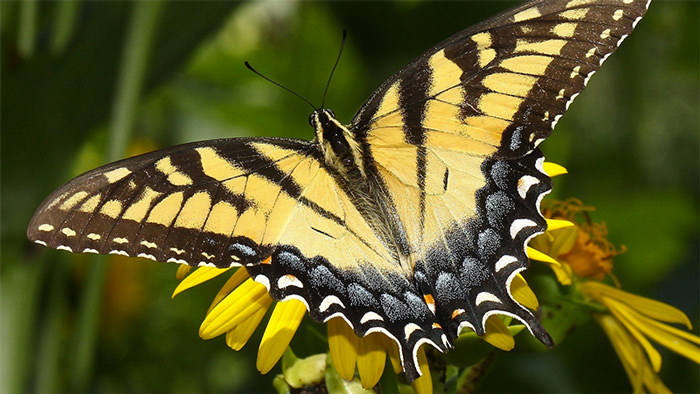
column 453, row 139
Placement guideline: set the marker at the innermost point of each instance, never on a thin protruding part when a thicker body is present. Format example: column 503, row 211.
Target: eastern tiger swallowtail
column 411, row 221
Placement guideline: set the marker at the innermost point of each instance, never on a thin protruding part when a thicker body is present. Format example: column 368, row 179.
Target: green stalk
column 51, row 341
column 64, row 25
column 143, row 26
column 26, row 36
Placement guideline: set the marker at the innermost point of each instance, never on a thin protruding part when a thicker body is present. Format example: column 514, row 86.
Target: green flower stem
column 51, row 341
column 64, row 25
column 26, row 36
column 144, row 20
column 471, row 377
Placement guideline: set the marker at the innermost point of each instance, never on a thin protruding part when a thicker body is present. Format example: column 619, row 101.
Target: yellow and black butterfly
column 411, row 221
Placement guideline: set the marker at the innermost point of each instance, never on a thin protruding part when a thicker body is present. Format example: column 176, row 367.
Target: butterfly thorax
column 340, row 149
column 342, row 152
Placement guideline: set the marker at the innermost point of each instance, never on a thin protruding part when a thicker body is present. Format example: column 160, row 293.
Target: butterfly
column 411, row 221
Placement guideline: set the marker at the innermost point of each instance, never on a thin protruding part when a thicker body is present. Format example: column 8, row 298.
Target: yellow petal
column 564, row 273
column 556, row 224
column 342, row 343
column 393, row 350
column 239, row 305
column 283, row 324
column 563, row 240
column 238, row 336
column 672, row 338
column 652, row 382
column 522, row 293
column 553, row 169
column 631, row 355
column 424, row 384
column 234, row 281
column 371, row 357
column 535, row 254
column 497, row 334
column 199, row 276
column 674, row 331
column 623, row 315
column 654, row 309
column 627, row 349
column 182, row 271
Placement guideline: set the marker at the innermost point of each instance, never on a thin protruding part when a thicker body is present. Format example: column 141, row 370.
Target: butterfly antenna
column 280, row 85
column 342, row 44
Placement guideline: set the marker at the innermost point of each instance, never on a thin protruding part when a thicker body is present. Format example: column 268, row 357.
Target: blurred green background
column 86, row 82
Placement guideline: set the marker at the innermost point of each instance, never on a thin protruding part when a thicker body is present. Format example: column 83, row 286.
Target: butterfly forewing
column 217, row 203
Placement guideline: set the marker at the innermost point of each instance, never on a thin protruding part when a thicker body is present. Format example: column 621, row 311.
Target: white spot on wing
column 539, row 165
column 147, row 256
column 289, row 280
column 90, row 250
column 69, row 232
column 298, row 298
column 591, row 52
column 370, row 316
column 575, row 72
column 525, row 183
column 174, row 260
column 571, row 100
column 617, row 15
column 120, row 252
column 561, row 94
column 177, row 251
column 409, row 329
column 120, row 241
column 46, row 227
column 263, row 280
column 485, row 296
column 518, row 225
column 94, row 237
column 505, row 261
column 328, row 301
column 40, row 242
column 64, row 247
column 149, row 244
column 463, row 325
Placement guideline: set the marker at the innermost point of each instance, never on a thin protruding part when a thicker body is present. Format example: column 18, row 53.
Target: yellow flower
column 583, row 247
column 585, row 257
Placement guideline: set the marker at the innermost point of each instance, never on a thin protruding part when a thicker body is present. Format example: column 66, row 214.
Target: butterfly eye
column 311, row 119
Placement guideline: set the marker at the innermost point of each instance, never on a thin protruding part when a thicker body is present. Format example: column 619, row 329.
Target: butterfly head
column 337, row 142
